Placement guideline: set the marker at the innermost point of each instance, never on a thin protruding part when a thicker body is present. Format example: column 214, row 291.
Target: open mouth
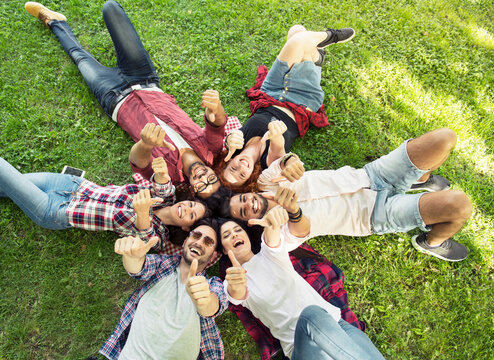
column 245, row 163
column 238, row 243
column 179, row 211
column 195, row 251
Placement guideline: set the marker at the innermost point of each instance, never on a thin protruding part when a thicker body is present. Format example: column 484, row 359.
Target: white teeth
column 237, row 243
column 195, row 251
column 180, row 211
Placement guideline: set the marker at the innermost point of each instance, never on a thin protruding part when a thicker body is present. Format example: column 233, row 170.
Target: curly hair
column 219, row 166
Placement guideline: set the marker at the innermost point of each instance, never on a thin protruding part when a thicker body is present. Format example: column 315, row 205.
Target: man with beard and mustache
column 175, row 290
column 129, row 94
column 371, row 200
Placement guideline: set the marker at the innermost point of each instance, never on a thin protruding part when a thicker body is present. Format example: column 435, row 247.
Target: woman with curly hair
column 289, row 98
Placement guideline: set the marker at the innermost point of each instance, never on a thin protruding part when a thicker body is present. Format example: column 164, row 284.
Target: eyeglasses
column 201, row 185
column 196, row 235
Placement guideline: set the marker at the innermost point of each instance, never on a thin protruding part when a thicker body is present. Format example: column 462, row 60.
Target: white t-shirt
column 277, row 294
column 166, row 324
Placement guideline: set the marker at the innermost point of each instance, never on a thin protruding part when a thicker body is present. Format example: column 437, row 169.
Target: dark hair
column 212, row 223
column 250, row 185
column 219, row 202
column 253, row 232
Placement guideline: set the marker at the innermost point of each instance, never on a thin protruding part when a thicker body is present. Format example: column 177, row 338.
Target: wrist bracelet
column 295, row 217
column 226, row 141
column 286, row 158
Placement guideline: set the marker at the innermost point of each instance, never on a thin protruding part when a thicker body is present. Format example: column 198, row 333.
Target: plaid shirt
column 157, row 267
column 324, row 277
column 100, row 208
column 303, row 117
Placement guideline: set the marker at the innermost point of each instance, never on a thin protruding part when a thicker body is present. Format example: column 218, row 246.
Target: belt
column 123, row 94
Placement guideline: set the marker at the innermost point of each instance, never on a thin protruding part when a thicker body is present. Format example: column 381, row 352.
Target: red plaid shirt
column 100, row 208
column 303, row 117
column 325, row 277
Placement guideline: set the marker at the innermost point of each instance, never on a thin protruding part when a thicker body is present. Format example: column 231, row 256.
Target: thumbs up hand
column 198, row 289
column 133, row 251
column 237, row 280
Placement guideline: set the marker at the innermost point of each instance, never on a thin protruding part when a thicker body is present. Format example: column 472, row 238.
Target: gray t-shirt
column 166, row 324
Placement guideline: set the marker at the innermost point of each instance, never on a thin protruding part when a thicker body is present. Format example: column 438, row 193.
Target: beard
column 264, row 206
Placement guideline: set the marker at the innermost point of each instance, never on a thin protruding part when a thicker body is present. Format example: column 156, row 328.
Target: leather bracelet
column 295, row 217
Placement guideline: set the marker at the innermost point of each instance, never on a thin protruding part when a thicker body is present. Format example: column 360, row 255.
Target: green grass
column 413, row 66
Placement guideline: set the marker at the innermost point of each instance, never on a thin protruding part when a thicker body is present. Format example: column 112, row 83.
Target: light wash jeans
column 319, row 337
column 134, row 66
column 43, row 197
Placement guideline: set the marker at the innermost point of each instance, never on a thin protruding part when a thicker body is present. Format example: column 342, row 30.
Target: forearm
column 211, row 307
column 272, row 237
column 276, row 150
column 237, row 293
column 133, row 265
column 299, row 228
column 140, row 154
column 143, row 221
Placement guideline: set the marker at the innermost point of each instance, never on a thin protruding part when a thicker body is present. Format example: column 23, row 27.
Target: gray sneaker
column 449, row 250
column 337, row 36
column 322, row 56
column 433, row 183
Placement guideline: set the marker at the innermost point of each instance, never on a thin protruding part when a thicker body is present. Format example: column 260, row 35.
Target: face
column 248, row 206
column 234, row 238
column 203, row 180
column 238, row 170
column 200, row 245
column 186, row 213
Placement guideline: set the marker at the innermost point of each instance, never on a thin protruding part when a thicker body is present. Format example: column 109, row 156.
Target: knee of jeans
column 310, row 311
column 110, row 7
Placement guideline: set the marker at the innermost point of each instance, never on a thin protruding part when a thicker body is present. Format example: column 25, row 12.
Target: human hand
column 275, row 129
column 292, row 170
column 160, row 170
column 197, row 287
column 154, row 135
column 234, row 141
column 211, row 102
column 142, row 201
column 287, row 198
column 237, row 281
column 134, row 247
column 275, row 217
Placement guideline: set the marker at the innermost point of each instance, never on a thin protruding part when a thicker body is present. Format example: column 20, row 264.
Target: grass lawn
column 412, row 67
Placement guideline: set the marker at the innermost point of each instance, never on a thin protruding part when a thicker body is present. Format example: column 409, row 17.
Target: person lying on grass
column 129, row 93
column 266, row 283
column 290, row 97
column 371, row 200
column 60, row 201
column 176, row 291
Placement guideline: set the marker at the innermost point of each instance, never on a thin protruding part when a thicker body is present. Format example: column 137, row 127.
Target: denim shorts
column 391, row 177
column 300, row 85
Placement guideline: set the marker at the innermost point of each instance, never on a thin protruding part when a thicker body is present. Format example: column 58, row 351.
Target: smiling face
column 186, row 213
column 200, row 245
column 248, row 206
column 234, row 238
column 238, row 170
column 203, row 179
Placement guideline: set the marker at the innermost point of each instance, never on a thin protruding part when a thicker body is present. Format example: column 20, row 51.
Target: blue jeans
column 134, row 65
column 43, row 197
column 300, row 84
column 319, row 337
column 391, row 177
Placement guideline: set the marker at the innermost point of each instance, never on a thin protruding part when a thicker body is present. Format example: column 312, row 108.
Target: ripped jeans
column 43, row 197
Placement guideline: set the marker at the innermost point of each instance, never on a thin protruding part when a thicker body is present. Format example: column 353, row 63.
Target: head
column 202, row 243
column 203, row 180
column 234, row 236
column 239, row 174
column 248, row 206
column 184, row 214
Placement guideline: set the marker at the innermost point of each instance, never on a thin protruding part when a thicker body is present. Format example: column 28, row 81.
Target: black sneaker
column 433, row 183
column 337, row 36
column 322, row 56
column 449, row 250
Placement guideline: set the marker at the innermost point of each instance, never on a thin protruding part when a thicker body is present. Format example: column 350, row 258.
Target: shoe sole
column 338, row 42
column 424, row 251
